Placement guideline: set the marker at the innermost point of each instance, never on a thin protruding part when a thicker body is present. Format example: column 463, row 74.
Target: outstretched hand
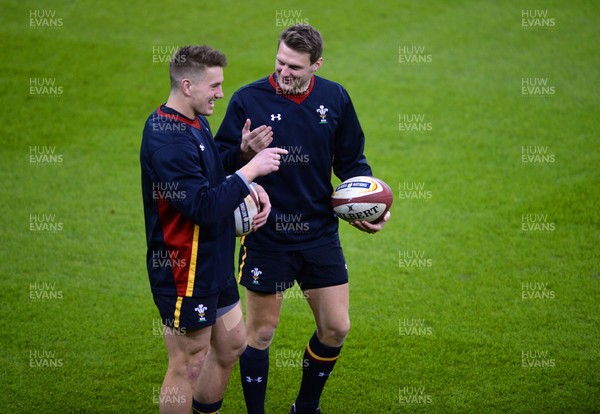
column 256, row 140
column 265, row 162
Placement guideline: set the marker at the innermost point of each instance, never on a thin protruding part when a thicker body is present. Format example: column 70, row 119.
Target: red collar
column 178, row 117
column 297, row 98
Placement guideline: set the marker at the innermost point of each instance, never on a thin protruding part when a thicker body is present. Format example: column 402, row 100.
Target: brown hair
column 303, row 38
column 193, row 60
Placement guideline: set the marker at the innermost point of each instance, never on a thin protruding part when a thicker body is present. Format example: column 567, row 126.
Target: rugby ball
column 362, row 198
column 244, row 214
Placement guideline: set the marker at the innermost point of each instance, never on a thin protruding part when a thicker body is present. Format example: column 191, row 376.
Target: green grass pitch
column 482, row 293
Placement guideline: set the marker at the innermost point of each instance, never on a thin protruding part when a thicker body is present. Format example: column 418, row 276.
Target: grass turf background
column 101, row 330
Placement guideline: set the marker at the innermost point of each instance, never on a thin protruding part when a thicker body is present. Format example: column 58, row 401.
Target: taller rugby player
column 314, row 119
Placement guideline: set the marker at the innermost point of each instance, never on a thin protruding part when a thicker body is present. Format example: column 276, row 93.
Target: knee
column 334, row 334
column 260, row 337
column 187, row 365
column 226, row 358
column 226, row 349
column 237, row 348
column 340, row 332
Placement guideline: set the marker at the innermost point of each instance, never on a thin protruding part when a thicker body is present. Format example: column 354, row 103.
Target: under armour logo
column 249, row 379
column 273, row 117
column 201, row 147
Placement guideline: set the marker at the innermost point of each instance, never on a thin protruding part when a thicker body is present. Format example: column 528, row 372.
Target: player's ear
column 185, row 86
column 317, row 64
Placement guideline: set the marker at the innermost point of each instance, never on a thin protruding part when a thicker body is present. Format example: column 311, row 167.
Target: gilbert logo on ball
column 362, row 198
column 244, row 214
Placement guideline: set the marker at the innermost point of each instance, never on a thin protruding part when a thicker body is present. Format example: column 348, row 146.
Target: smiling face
column 294, row 69
column 204, row 90
column 196, row 74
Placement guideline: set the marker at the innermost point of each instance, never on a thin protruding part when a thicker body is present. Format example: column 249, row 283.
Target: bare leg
column 262, row 317
column 330, row 308
column 187, row 352
column 228, row 341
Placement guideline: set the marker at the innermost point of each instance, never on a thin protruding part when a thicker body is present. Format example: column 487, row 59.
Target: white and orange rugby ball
column 362, row 198
column 244, row 214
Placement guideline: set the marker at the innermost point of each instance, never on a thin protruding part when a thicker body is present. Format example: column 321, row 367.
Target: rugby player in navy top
column 313, row 119
column 190, row 231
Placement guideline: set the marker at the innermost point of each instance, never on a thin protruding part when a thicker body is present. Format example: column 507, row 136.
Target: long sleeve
column 349, row 160
column 182, row 177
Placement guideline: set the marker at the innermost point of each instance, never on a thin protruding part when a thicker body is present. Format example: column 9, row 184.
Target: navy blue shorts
column 276, row 271
column 196, row 312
